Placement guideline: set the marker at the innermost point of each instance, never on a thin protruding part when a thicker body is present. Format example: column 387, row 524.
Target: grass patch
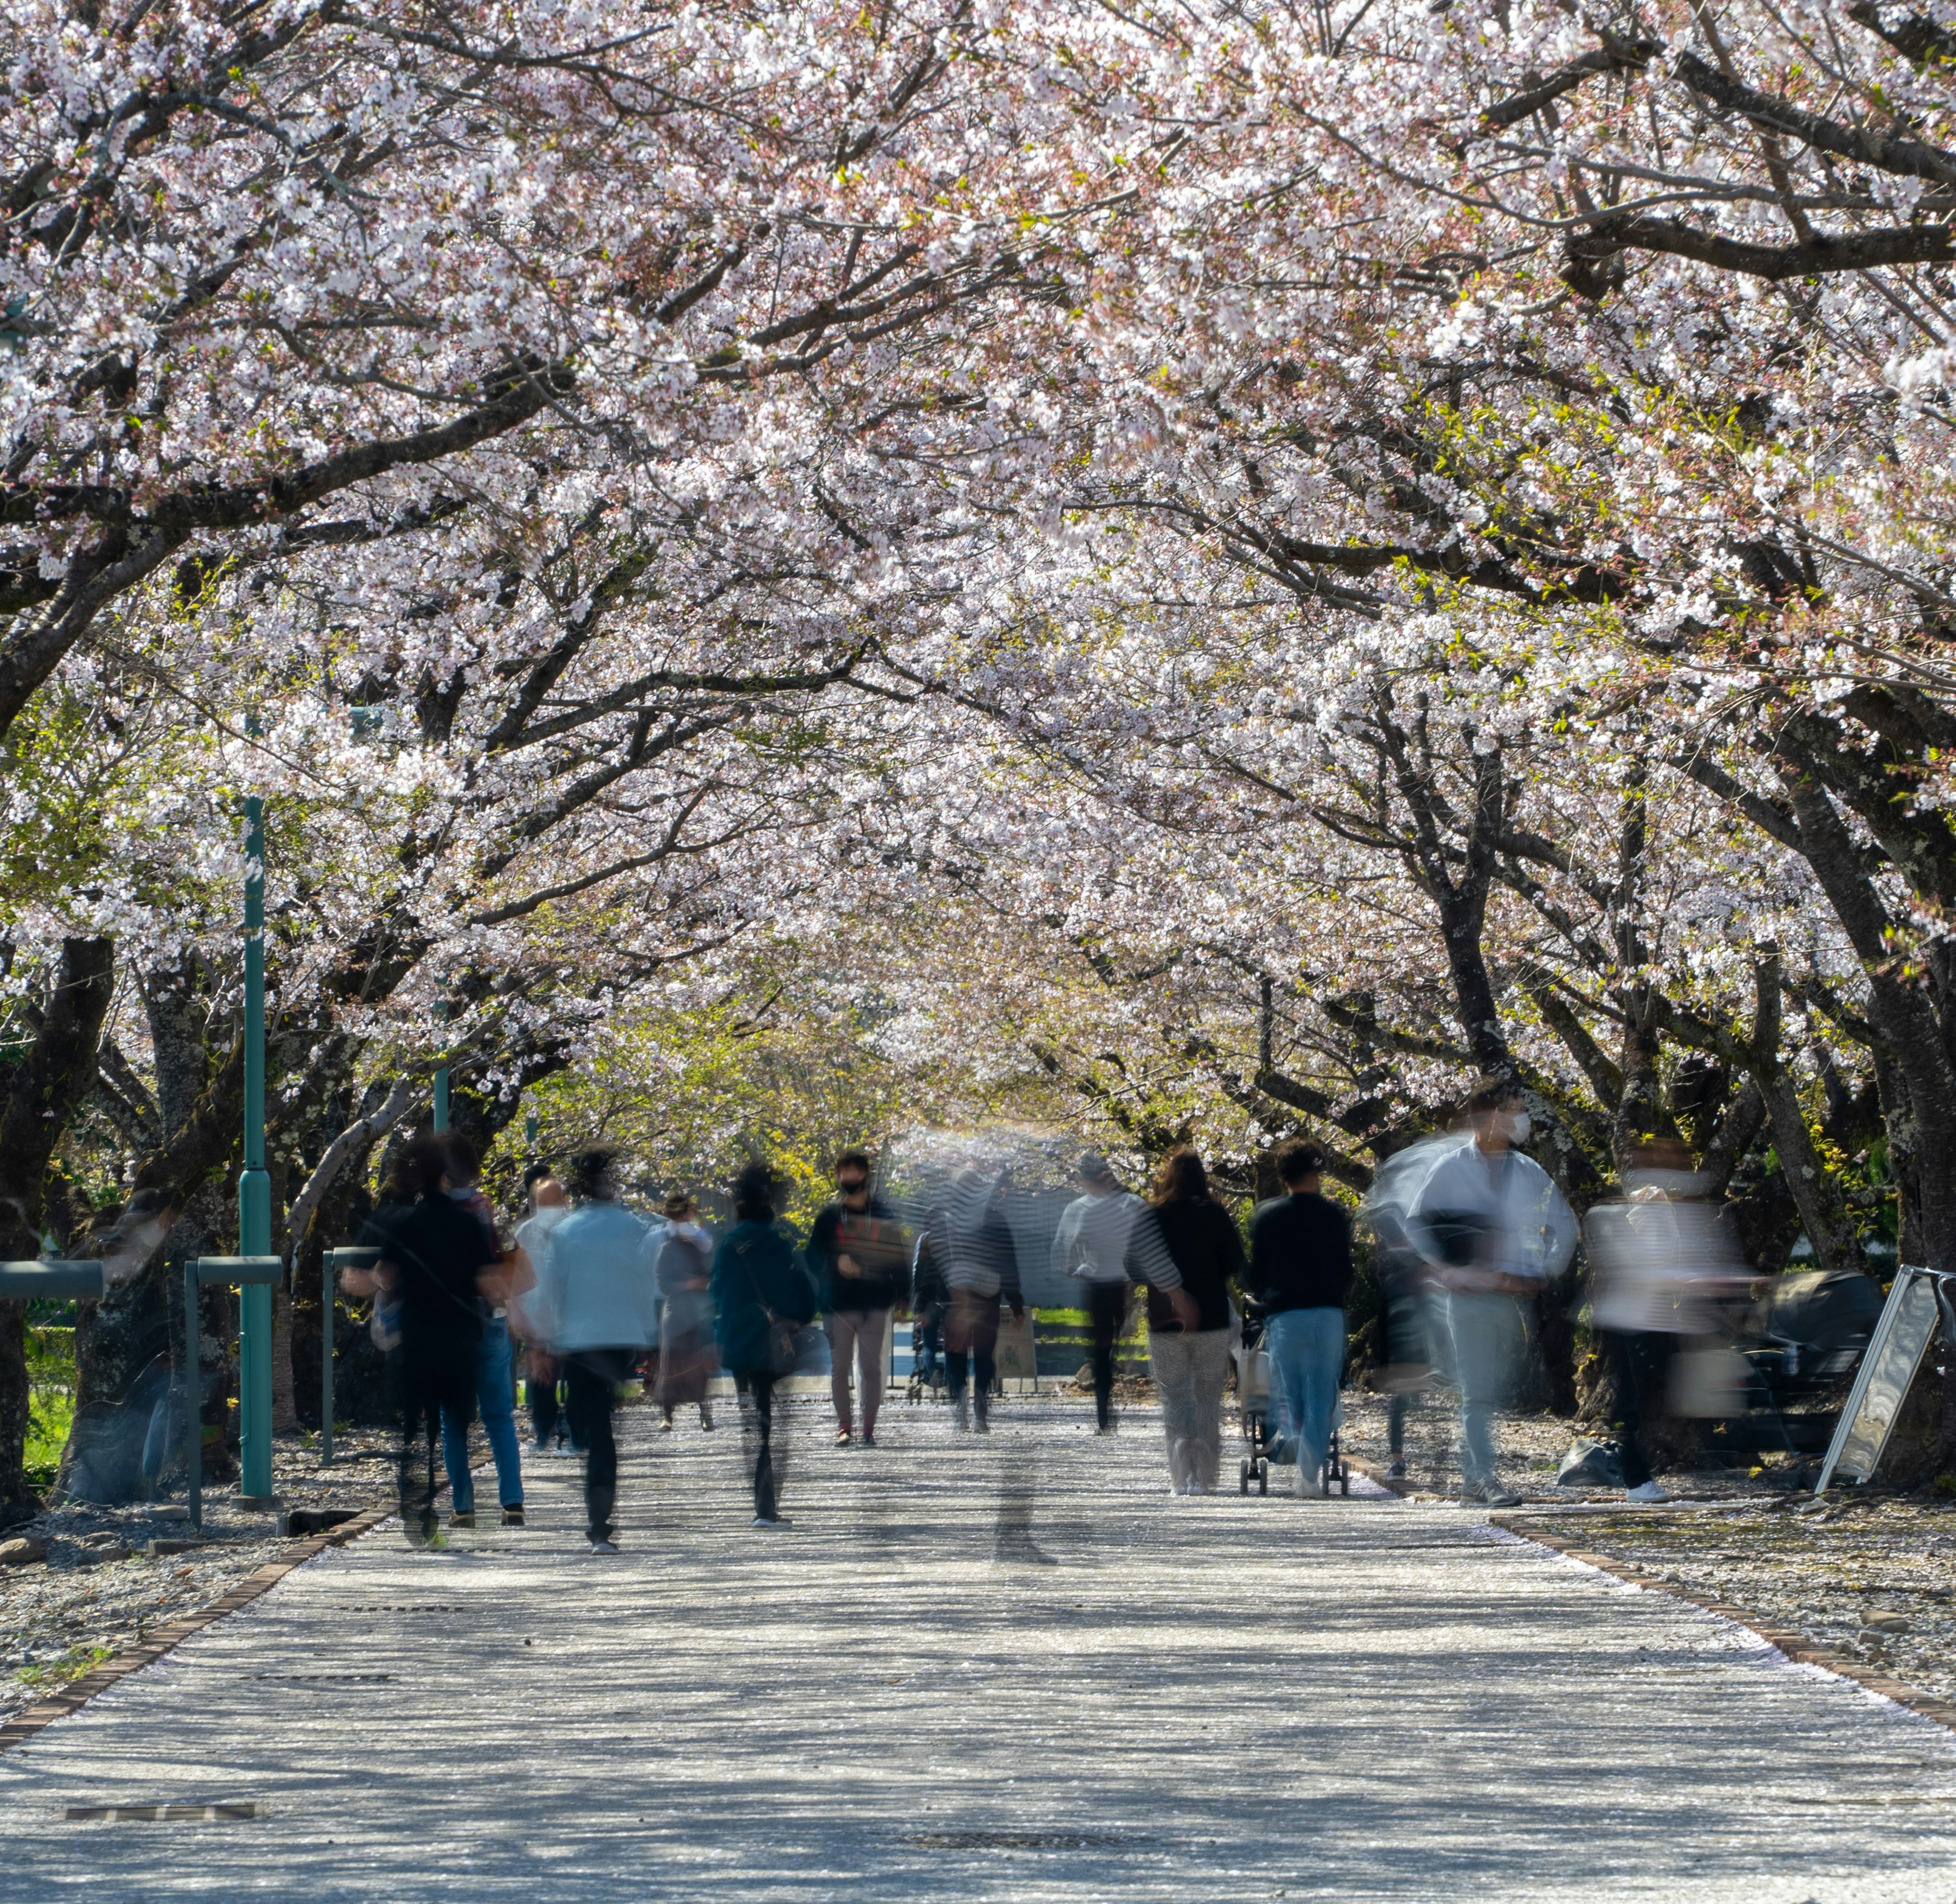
column 70, row 1666
column 51, row 1402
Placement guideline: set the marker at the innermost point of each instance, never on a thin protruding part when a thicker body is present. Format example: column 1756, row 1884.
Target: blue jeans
column 1307, row 1348
column 493, row 1397
column 1488, row 1340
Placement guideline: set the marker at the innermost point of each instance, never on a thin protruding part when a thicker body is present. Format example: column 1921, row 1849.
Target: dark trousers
column 592, row 1377
column 766, row 1453
column 1107, row 1314
column 1640, row 1363
column 1397, row 1410
column 546, row 1411
column 971, row 1335
column 425, row 1384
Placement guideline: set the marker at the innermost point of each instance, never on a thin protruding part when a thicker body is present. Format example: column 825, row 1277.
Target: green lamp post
column 441, row 1081
column 254, row 1186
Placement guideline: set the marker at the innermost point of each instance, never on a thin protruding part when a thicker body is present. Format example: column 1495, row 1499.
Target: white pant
column 1189, row 1373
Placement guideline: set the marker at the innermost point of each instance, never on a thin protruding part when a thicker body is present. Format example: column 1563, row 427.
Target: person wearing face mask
column 549, row 1206
column 1492, row 1229
column 861, row 1255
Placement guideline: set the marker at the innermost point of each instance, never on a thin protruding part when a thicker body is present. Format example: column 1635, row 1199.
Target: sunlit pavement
column 1011, row 1668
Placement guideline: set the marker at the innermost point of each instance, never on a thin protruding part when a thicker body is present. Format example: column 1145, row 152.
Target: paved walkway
column 1208, row 1699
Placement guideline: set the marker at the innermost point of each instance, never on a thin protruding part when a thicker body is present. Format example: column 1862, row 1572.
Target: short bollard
column 200, row 1272
column 335, row 1260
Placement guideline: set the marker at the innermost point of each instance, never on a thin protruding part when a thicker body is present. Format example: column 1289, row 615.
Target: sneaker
column 981, row 1423
column 665, row 1427
column 779, row 1520
column 1488, row 1494
column 868, row 1437
column 466, row 1518
column 1395, row 1470
column 603, row 1547
column 1649, row 1491
column 842, row 1439
column 513, row 1517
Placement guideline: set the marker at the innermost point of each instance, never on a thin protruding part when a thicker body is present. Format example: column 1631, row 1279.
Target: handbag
column 784, row 1338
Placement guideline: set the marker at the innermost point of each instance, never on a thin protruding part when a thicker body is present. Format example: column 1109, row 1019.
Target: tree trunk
column 43, row 1091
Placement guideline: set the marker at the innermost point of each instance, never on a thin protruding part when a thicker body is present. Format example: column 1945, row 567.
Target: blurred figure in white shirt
column 1659, row 1257
column 1494, row 1229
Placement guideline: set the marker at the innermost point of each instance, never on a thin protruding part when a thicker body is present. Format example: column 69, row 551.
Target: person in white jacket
column 596, row 1302
column 1492, row 1228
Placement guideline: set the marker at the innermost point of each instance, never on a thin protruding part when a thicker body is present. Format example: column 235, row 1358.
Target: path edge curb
column 98, row 1679
column 1797, row 1646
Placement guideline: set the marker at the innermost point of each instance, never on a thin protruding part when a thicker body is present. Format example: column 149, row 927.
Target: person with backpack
column 763, row 1292
column 436, row 1265
column 858, row 1249
column 597, row 1304
column 1300, row 1270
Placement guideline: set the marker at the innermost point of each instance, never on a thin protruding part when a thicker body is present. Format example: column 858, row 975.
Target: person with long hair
column 596, row 1303
column 436, row 1265
column 1186, row 1248
column 762, row 1291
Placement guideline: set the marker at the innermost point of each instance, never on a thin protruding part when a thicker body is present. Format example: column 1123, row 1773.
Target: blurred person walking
column 762, row 1291
column 1492, row 1228
column 1300, row 1271
column 689, row 1357
column 1091, row 1245
column 1414, row 1344
column 542, row 1379
column 1186, row 1248
column 858, row 1250
column 436, row 1264
column 1660, row 1258
column 495, row 1381
column 597, row 1304
column 971, row 1239
column 930, row 1304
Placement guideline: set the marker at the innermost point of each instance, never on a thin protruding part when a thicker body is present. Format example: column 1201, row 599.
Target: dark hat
column 1094, row 1167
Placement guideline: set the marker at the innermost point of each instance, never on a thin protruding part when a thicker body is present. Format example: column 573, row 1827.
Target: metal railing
column 203, row 1272
column 59, row 1281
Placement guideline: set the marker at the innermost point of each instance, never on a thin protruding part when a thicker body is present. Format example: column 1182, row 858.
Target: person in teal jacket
column 759, row 1276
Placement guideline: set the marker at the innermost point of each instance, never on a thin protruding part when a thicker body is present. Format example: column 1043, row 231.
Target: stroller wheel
column 1243, row 1477
column 1263, row 1477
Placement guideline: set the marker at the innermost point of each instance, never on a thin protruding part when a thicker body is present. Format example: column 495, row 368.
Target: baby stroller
column 927, row 1371
column 1253, row 1397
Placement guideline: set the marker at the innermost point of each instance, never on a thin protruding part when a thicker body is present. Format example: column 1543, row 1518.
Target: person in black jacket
column 858, row 1250
column 1300, row 1270
column 1186, row 1248
column 436, row 1264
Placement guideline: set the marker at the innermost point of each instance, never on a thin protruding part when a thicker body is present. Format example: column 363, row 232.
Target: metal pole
column 254, row 1186
column 193, row 1361
column 326, row 1347
column 530, row 1135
